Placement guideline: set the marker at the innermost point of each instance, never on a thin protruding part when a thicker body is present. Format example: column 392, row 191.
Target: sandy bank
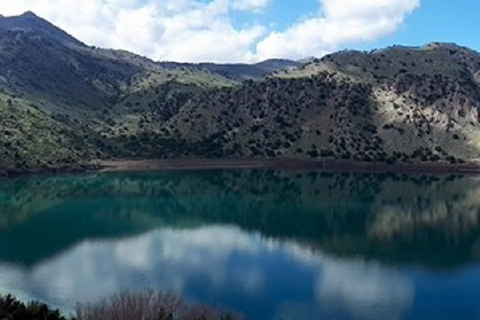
column 326, row 165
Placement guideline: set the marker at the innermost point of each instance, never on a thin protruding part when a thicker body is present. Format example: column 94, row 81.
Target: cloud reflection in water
column 212, row 263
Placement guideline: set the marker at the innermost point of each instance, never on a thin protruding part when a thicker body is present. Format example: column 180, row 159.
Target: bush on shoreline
column 148, row 305
column 12, row 309
column 145, row 305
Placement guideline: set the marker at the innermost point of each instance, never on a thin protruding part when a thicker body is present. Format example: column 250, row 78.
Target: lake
column 269, row 244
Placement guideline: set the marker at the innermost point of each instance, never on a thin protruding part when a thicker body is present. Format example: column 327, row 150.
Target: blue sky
column 280, row 14
column 254, row 30
column 439, row 20
column 435, row 20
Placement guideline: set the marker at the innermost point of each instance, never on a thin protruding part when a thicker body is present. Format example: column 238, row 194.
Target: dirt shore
column 286, row 164
column 326, row 165
column 66, row 168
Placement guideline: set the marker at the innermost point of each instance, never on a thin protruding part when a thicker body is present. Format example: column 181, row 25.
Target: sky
column 255, row 30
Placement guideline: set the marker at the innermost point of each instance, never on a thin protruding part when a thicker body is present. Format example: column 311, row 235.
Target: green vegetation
column 31, row 138
column 12, row 309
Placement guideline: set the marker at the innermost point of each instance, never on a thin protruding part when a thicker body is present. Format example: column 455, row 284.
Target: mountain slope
column 409, row 104
column 94, row 92
column 32, row 139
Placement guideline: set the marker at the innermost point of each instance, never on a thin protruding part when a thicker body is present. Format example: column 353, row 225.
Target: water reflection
column 366, row 290
column 221, row 264
column 272, row 244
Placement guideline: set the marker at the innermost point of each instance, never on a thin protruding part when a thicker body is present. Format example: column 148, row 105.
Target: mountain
column 241, row 71
column 397, row 104
column 71, row 87
column 29, row 22
column 62, row 101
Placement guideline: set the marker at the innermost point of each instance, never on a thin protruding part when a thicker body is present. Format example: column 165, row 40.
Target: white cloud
column 338, row 23
column 250, row 5
column 180, row 30
column 199, row 30
column 163, row 259
column 366, row 290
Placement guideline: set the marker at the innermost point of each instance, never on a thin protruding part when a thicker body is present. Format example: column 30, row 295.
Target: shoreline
column 60, row 169
column 288, row 164
column 341, row 166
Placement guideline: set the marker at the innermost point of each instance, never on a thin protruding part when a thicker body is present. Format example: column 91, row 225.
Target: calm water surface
column 270, row 244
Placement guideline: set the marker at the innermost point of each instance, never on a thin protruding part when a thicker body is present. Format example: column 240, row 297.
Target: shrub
column 145, row 305
column 313, row 153
column 148, row 305
column 12, row 309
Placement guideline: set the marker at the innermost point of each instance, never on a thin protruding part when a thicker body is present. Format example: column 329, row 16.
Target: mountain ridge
column 239, row 71
column 29, row 21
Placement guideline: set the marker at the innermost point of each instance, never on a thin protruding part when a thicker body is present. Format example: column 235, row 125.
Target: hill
column 399, row 104
column 97, row 94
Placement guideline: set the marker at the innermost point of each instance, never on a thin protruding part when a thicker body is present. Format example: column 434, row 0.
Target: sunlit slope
column 397, row 104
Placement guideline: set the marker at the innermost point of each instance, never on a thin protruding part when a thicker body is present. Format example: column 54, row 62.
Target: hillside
column 392, row 105
column 30, row 138
column 54, row 85
column 397, row 104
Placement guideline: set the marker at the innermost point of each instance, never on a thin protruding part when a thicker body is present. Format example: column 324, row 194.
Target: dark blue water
column 268, row 244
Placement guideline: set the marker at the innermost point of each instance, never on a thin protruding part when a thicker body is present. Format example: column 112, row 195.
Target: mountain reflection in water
column 272, row 244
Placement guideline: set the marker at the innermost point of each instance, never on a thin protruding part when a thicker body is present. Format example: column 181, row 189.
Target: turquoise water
column 269, row 244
